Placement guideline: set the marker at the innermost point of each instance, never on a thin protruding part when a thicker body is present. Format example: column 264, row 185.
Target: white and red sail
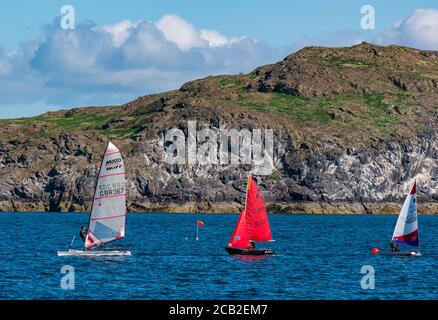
column 406, row 229
column 108, row 213
column 253, row 223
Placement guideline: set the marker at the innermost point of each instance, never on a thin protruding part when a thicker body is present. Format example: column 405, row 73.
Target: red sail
column 239, row 239
column 256, row 217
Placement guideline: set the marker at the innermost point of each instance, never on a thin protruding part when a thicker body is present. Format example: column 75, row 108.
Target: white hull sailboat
column 93, row 253
column 406, row 229
column 108, row 211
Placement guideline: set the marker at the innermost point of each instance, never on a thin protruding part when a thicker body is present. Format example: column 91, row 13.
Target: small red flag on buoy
column 200, row 223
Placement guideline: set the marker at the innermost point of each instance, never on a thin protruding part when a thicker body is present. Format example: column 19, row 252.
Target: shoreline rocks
column 301, row 207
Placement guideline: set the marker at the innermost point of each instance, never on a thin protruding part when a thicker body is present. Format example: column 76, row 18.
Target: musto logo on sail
column 111, row 189
column 113, row 164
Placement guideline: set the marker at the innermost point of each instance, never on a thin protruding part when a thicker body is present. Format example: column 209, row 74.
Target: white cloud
column 120, row 31
column 186, row 36
column 214, row 38
column 180, row 32
column 110, row 64
column 419, row 30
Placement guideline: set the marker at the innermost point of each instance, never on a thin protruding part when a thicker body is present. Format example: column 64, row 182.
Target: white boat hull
column 93, row 253
column 401, row 253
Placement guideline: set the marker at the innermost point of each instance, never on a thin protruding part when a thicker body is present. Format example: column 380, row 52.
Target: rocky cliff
column 353, row 127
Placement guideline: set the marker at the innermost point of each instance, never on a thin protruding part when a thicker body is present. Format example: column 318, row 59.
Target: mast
column 248, row 182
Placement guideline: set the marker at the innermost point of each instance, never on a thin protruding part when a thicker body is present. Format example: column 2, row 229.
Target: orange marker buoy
column 375, row 251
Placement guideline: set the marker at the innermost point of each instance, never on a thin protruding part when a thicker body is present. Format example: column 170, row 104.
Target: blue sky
column 278, row 22
column 162, row 44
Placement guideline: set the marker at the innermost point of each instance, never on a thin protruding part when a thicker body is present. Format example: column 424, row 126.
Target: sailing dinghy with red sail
column 108, row 211
column 406, row 229
column 252, row 226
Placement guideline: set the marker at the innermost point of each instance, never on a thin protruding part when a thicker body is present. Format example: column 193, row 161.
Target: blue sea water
column 318, row 257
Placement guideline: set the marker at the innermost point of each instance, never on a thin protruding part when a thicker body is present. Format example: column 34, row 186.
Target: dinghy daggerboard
column 108, row 211
column 406, row 228
column 253, row 225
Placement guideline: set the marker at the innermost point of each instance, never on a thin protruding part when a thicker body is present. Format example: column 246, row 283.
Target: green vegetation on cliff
column 350, row 125
column 356, row 95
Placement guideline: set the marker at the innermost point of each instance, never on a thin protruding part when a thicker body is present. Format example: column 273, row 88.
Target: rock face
column 353, row 127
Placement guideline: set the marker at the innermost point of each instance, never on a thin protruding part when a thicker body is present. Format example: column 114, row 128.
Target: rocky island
column 353, row 127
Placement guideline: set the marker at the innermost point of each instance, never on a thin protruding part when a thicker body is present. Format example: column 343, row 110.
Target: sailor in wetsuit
column 394, row 246
column 83, row 233
column 252, row 246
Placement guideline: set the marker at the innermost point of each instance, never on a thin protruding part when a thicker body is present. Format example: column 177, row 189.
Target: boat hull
column 247, row 252
column 401, row 253
column 93, row 253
